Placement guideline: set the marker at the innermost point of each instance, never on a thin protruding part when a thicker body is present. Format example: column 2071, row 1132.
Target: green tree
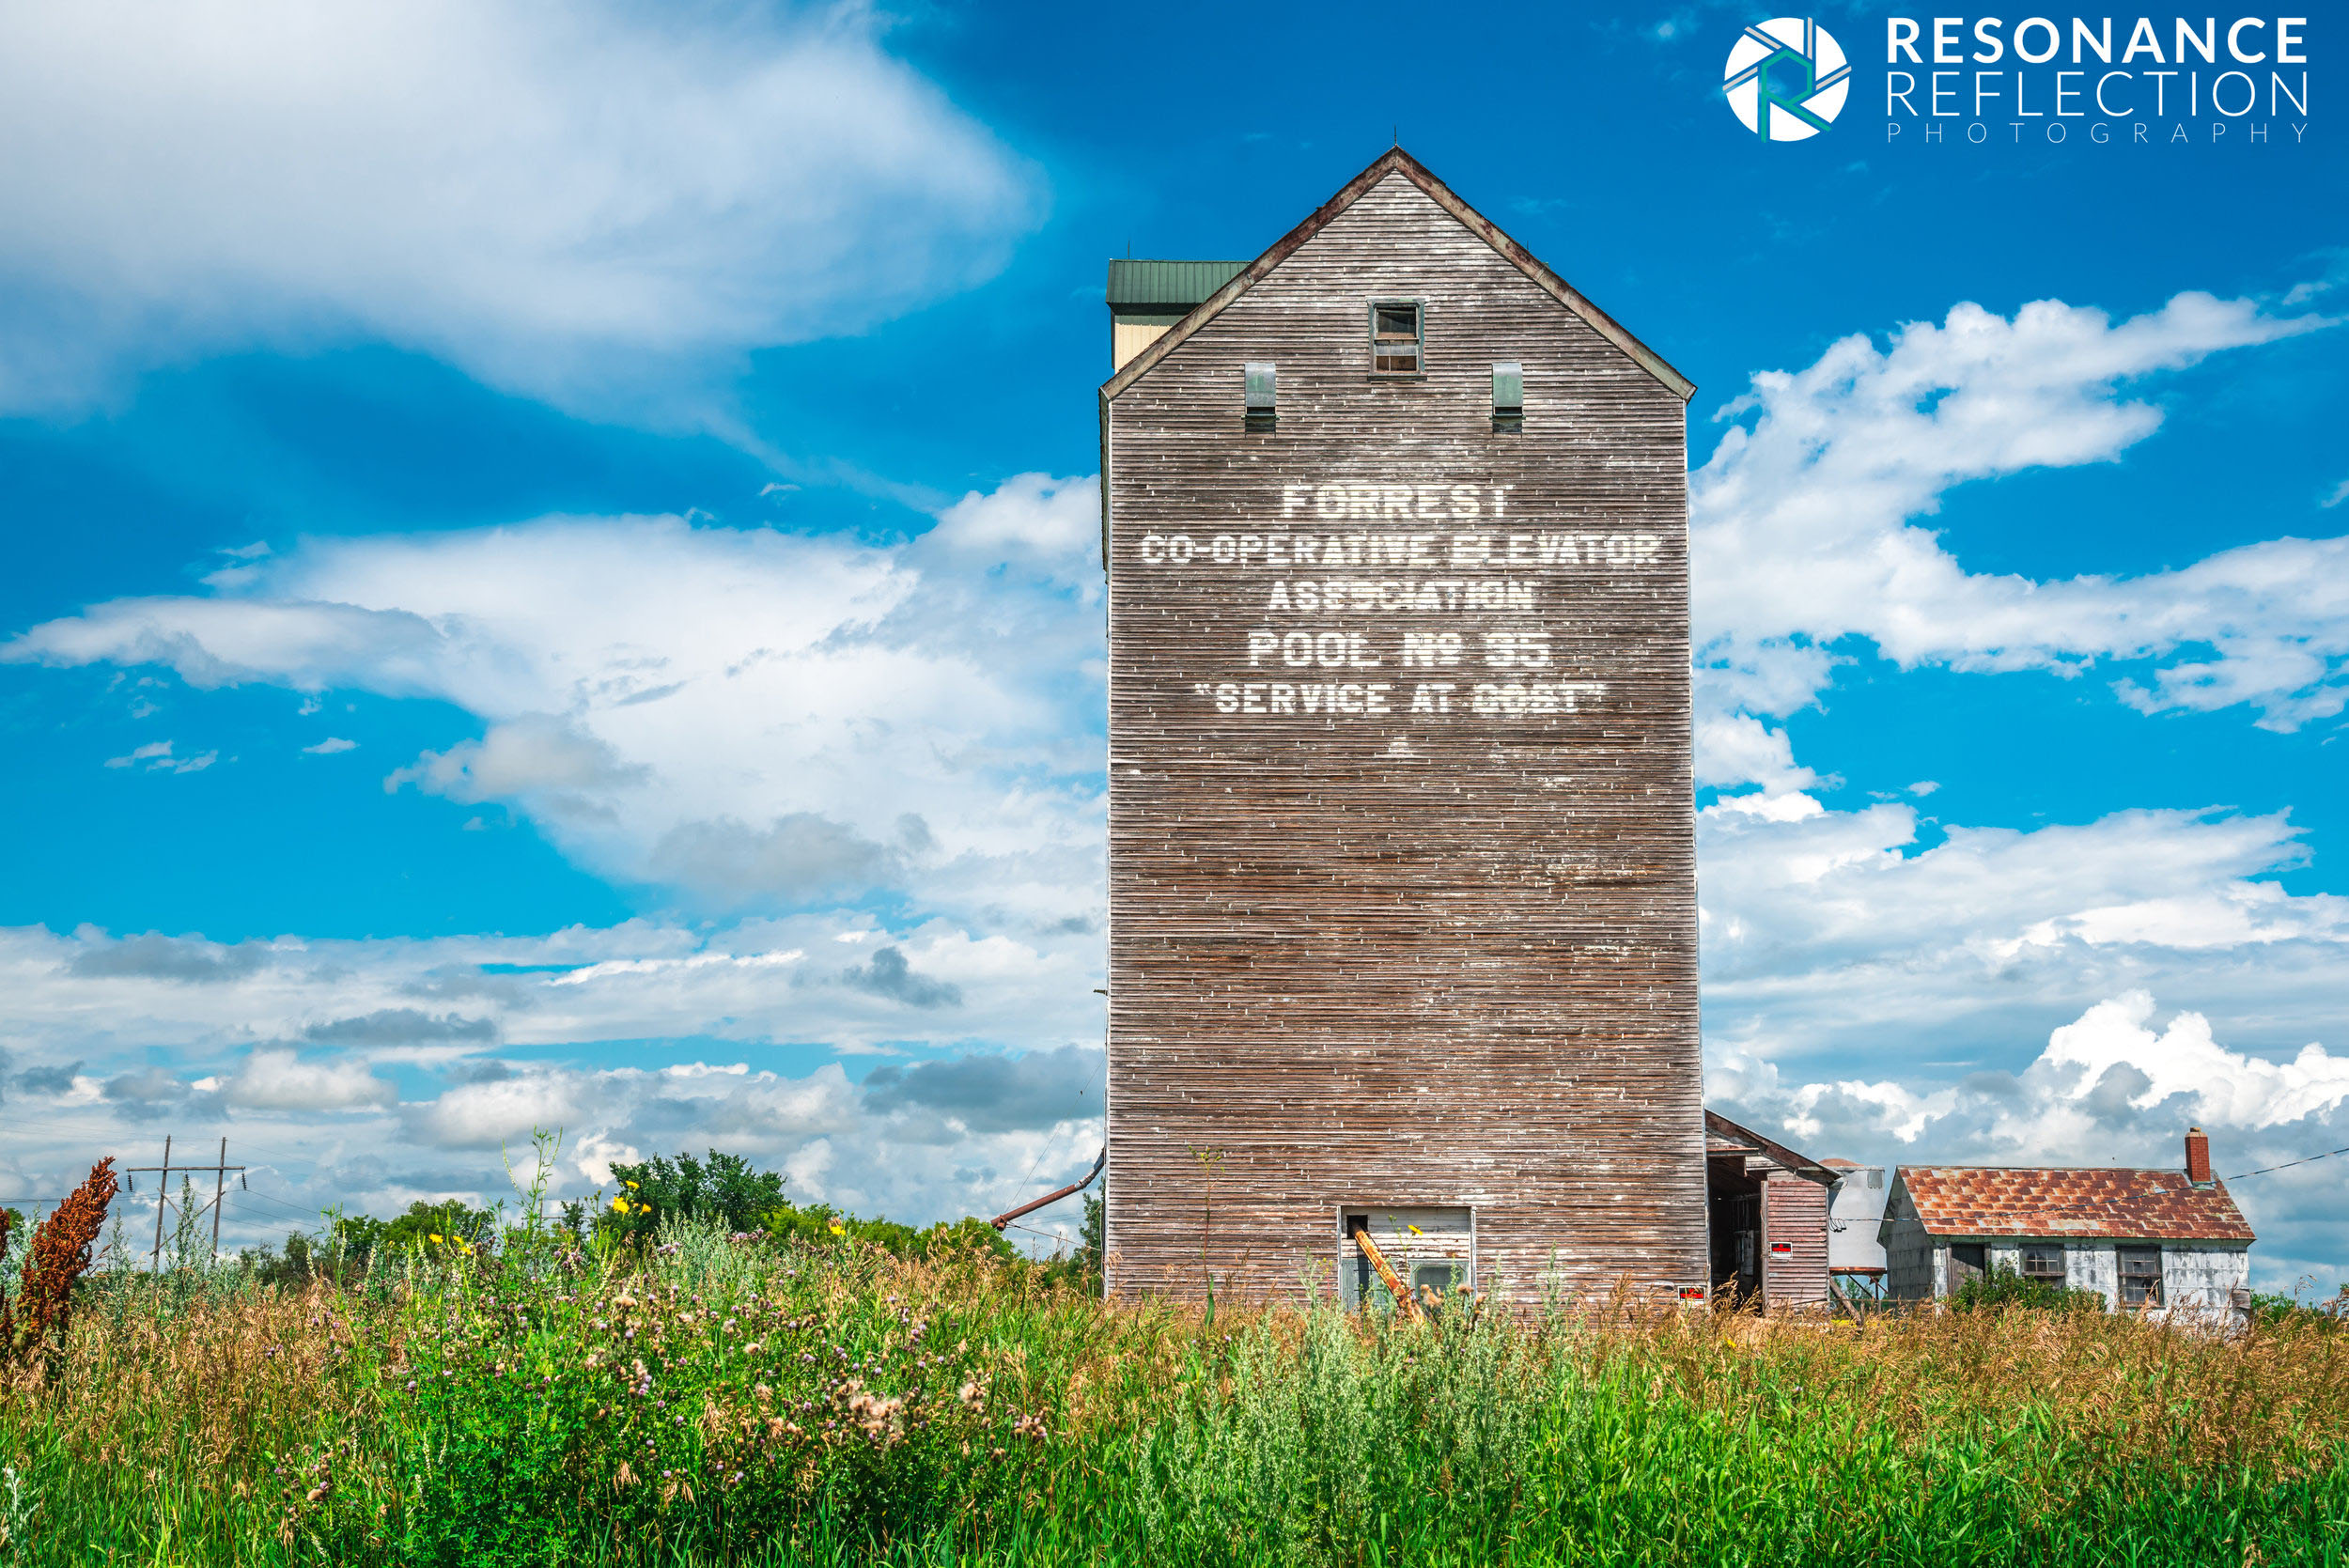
column 1095, row 1229
column 431, row 1226
column 724, row 1189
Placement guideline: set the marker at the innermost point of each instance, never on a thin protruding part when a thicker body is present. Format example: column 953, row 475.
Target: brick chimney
column 2197, row 1157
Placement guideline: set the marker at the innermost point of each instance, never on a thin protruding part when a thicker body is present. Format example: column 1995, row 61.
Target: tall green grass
column 728, row 1400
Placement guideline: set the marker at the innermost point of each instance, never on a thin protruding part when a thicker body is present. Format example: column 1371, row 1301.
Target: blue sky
column 554, row 583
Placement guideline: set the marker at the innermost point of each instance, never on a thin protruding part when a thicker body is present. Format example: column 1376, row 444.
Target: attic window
column 2140, row 1276
column 1397, row 336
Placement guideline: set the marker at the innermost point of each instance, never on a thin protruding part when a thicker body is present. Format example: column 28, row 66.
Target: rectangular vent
column 1263, row 397
column 1509, row 396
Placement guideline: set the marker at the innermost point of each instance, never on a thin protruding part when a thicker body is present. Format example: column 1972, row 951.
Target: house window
column 1397, row 334
column 1428, row 1249
column 2140, row 1276
column 2042, row 1261
column 1969, row 1260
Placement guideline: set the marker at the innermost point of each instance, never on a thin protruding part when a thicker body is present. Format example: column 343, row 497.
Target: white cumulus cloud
column 1809, row 525
column 561, row 199
column 752, row 716
column 1834, row 934
column 280, row 1080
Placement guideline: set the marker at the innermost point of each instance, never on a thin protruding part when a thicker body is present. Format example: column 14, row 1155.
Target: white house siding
column 2202, row 1277
column 2093, row 1268
column 2199, row 1277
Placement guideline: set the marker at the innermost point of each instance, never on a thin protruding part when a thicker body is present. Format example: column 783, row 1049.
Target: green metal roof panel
column 1177, row 283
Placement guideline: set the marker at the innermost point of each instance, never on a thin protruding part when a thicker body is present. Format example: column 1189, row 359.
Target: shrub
column 2002, row 1289
column 820, row 1225
column 2276, row 1309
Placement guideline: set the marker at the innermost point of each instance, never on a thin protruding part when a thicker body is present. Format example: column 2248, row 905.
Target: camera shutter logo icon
column 1786, row 79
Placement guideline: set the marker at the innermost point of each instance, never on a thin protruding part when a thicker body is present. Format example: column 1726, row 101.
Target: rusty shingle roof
column 2015, row 1201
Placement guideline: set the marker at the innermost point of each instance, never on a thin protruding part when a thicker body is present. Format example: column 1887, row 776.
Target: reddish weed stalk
column 60, row 1254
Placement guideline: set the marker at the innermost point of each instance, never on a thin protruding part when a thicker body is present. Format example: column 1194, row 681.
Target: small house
column 2144, row 1239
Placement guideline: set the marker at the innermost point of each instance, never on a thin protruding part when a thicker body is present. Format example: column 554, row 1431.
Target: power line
column 2306, row 1159
column 220, row 1170
column 280, row 1203
column 1048, row 1235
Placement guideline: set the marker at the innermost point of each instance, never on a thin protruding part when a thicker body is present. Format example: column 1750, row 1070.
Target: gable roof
column 2021, row 1201
column 1396, row 161
column 1723, row 1136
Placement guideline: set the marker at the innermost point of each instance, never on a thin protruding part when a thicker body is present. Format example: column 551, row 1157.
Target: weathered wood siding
column 1794, row 1217
column 1400, row 959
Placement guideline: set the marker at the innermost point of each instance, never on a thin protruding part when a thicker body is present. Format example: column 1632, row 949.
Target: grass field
column 756, row 1400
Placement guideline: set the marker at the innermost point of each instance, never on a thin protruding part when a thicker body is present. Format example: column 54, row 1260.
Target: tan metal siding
column 1128, row 338
column 1397, row 960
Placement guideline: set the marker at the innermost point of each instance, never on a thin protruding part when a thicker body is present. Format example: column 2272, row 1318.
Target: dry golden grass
column 211, row 1388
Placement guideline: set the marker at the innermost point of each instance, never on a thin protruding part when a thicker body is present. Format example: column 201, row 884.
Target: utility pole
column 162, row 1196
column 220, row 1189
column 219, row 1168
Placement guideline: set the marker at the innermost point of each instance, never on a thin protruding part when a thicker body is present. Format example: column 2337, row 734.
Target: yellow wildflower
column 436, row 1236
